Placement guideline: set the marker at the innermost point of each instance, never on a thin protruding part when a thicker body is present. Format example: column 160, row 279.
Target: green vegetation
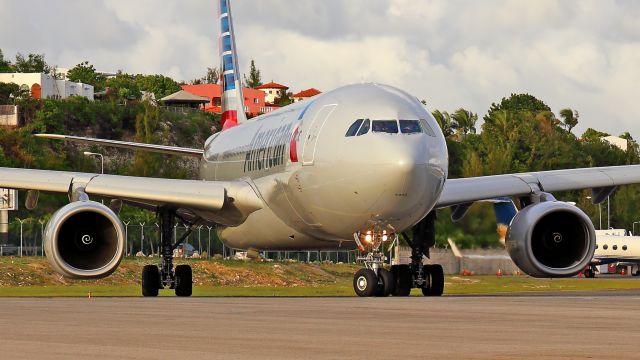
column 31, row 276
column 521, row 134
column 255, row 79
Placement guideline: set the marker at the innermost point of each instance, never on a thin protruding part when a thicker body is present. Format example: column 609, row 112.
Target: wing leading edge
column 163, row 149
column 467, row 190
column 232, row 201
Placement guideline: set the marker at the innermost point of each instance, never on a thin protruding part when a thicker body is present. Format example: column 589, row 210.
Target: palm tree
column 570, row 118
column 444, row 121
column 464, row 121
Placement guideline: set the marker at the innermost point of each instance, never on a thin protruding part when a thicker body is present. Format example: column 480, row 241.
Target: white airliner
column 354, row 167
column 615, row 246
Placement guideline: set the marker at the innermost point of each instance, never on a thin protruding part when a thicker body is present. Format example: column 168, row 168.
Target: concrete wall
column 8, row 115
column 480, row 262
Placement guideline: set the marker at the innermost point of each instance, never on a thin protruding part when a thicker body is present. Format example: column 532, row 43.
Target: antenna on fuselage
column 232, row 99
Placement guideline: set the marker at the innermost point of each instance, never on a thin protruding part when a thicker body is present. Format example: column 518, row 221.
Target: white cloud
column 581, row 54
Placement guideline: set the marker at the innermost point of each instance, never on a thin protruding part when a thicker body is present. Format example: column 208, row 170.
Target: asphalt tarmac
column 555, row 326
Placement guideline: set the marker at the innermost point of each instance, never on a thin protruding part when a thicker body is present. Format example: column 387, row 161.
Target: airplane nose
column 405, row 182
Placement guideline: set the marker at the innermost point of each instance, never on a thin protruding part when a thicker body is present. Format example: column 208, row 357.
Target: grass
column 32, row 277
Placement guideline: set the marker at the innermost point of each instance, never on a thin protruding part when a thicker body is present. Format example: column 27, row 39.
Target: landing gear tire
column 426, row 286
column 404, row 280
column 365, row 282
column 150, row 280
column 436, row 280
column 589, row 273
column 184, row 280
column 386, row 283
column 636, row 273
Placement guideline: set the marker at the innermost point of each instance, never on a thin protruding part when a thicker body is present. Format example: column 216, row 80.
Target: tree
column 254, row 79
column 518, row 103
column 284, row 99
column 464, row 121
column 9, row 92
column 570, row 118
column 33, row 63
column 5, row 65
column 212, row 77
column 444, row 121
column 86, row 74
column 124, row 86
column 159, row 85
column 593, row 135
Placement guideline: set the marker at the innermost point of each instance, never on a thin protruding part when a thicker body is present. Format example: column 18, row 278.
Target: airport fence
column 25, row 238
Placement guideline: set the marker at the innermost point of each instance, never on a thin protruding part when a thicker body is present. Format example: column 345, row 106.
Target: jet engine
column 84, row 240
column 551, row 239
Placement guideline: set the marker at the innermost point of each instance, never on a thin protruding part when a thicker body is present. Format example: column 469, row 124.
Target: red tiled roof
column 307, row 93
column 272, row 85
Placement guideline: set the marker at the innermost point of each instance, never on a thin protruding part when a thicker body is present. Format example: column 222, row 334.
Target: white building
column 272, row 91
column 45, row 86
column 617, row 141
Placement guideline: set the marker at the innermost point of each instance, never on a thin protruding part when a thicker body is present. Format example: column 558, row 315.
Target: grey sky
column 453, row 53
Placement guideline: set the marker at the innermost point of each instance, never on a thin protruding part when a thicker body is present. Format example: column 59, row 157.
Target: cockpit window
column 426, row 128
column 385, row 126
column 410, row 126
column 364, row 128
column 353, row 129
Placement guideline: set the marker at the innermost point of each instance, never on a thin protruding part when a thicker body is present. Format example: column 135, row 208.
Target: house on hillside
column 272, row 91
column 184, row 99
column 305, row 94
column 618, row 142
column 45, row 86
column 254, row 100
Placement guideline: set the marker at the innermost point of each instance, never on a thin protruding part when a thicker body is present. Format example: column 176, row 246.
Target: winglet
column 232, row 98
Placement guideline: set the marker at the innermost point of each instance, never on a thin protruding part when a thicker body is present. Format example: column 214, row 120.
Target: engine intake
column 551, row 239
column 84, row 240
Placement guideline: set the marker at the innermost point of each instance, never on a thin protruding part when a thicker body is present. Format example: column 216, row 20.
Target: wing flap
column 464, row 190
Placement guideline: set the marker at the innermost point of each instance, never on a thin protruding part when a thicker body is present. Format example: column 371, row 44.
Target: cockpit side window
column 410, row 127
column 364, row 128
column 353, row 129
column 385, row 126
column 427, row 128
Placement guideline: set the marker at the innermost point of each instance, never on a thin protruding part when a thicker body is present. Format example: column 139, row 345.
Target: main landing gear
column 375, row 280
column 180, row 278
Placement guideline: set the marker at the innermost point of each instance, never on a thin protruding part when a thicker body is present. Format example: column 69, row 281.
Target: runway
column 489, row 327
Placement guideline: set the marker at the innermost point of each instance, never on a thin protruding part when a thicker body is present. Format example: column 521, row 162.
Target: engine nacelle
column 84, row 240
column 551, row 239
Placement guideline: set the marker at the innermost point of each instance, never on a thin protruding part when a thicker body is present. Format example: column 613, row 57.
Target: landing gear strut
column 180, row 279
column 375, row 280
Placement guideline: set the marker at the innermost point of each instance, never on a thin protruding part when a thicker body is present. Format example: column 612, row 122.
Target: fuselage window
column 624, row 247
column 615, row 247
column 596, row 246
column 410, row 127
column 605, row 246
column 385, row 126
column 364, row 128
column 353, row 129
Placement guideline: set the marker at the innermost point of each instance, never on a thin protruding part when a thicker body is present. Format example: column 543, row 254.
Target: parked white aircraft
column 353, row 167
column 615, row 246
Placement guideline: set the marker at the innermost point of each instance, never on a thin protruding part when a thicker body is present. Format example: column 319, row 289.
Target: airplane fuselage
column 320, row 179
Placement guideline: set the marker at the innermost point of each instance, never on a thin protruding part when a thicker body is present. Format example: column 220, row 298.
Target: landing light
column 367, row 238
column 384, row 238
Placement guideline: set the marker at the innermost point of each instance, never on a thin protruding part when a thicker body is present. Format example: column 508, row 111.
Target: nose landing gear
column 375, row 280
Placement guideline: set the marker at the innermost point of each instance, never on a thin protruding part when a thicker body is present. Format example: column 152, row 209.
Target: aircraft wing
column 163, row 149
column 468, row 190
column 232, row 199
